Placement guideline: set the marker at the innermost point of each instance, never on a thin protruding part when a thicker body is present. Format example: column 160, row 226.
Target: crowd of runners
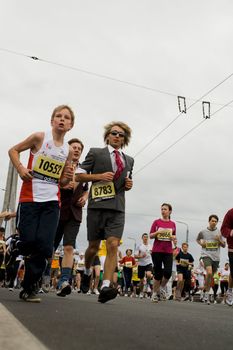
column 54, row 190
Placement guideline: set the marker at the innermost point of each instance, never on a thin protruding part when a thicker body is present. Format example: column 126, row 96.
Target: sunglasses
column 115, row 133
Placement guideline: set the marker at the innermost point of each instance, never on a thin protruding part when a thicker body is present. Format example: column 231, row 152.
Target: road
column 80, row 322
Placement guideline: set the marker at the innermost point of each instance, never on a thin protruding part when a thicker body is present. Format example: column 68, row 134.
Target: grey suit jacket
column 98, row 161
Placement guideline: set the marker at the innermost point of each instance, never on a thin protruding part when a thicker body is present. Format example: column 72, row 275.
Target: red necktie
column 119, row 164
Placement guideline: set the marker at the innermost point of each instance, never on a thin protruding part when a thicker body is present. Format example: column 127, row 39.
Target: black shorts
column 68, row 229
column 143, row 269
column 96, row 261
column 81, row 272
column 104, row 223
column 185, row 272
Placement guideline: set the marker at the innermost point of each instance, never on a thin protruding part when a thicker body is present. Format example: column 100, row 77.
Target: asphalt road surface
column 80, row 322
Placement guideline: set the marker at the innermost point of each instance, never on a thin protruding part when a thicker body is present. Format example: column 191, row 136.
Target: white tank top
column 47, row 165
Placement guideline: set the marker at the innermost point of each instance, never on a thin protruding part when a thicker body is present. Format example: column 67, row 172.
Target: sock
column 106, row 283
column 87, row 271
column 65, row 275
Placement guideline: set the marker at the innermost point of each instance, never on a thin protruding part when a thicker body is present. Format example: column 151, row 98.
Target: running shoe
column 96, row 292
column 206, row 298
column 163, row 294
column 154, row 298
column 141, row 295
column 106, row 294
column 64, row 290
column 85, row 283
column 89, row 292
column 29, row 297
column 46, row 284
column 229, row 298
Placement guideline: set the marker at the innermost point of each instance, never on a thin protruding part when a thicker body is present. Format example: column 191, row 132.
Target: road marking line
column 14, row 335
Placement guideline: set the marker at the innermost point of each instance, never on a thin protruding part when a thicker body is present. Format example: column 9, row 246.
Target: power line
column 181, row 113
column 182, row 137
column 103, row 76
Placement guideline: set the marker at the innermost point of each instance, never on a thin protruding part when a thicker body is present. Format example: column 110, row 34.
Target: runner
column 128, row 262
column 38, row 211
column 184, row 262
column 210, row 239
column 227, row 232
column 224, row 281
column 73, row 198
column 164, row 232
column 80, row 265
column 200, row 273
column 110, row 171
column 143, row 254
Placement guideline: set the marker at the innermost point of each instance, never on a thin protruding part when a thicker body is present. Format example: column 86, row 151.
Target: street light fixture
column 187, row 229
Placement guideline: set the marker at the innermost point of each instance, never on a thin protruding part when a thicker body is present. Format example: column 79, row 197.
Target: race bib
column 184, row 262
column 81, row 264
column 128, row 264
column 212, row 245
column 48, row 169
column 165, row 235
column 103, row 190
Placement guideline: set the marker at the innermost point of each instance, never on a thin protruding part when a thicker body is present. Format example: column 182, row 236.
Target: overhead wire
column 173, row 121
column 103, row 76
column 134, row 85
column 180, row 138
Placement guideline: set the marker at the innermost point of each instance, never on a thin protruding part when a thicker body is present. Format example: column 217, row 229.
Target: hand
column 81, row 202
column 203, row 243
column 10, row 216
column 25, row 174
column 68, row 172
column 173, row 238
column 70, row 186
column 108, row 176
column 217, row 238
column 128, row 183
column 231, row 233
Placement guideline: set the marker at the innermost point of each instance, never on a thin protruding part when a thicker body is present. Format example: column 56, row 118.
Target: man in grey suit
column 110, row 171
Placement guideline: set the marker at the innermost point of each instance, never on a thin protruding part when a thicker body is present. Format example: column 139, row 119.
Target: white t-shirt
column 141, row 250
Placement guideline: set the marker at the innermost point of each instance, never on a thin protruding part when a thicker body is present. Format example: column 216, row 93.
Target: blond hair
column 60, row 108
column 123, row 126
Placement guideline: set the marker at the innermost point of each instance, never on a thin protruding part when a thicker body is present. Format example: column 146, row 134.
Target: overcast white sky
column 180, row 47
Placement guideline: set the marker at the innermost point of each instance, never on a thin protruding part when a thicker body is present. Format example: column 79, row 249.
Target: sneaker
column 163, row 296
column 106, row 294
column 186, row 297
column 89, row 292
column 78, row 290
column 141, row 295
column 155, row 298
column 206, row 298
column 96, row 292
column 229, row 298
column 29, row 297
column 11, row 289
column 85, row 283
column 64, row 290
column 46, row 284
